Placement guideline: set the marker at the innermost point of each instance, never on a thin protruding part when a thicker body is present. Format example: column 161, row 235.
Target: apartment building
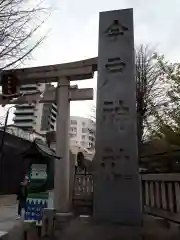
column 41, row 117
column 34, row 116
column 82, row 131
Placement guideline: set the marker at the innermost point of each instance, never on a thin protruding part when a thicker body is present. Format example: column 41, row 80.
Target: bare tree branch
column 19, row 21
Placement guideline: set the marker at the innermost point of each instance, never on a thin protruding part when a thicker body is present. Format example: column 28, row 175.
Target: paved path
column 8, row 222
column 87, row 229
column 7, row 217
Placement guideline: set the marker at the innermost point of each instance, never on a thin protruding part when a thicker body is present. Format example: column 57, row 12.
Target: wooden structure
column 160, row 195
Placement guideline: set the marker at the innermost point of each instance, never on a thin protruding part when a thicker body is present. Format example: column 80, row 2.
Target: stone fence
column 161, row 195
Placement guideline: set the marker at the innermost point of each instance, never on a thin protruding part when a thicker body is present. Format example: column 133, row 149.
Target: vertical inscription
column 111, row 159
column 116, row 113
column 115, row 65
column 116, row 29
column 116, row 191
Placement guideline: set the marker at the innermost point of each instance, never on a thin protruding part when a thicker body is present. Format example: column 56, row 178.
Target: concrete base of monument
column 62, row 220
column 53, row 221
column 85, row 227
column 48, row 220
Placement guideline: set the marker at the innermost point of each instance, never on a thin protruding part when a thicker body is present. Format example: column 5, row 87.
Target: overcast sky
column 74, row 33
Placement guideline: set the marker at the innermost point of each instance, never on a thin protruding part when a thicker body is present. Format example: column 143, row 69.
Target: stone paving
column 87, row 229
column 8, row 222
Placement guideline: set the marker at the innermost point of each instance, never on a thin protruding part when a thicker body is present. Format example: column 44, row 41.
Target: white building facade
column 82, row 132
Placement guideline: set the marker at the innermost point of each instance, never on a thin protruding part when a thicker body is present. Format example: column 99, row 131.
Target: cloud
column 75, row 28
column 74, row 34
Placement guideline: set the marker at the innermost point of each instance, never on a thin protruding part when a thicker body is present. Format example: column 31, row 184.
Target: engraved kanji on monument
column 116, row 29
column 116, row 113
column 112, row 157
column 115, row 65
column 117, row 185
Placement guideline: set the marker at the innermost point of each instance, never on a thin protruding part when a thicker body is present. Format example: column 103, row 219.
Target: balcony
column 23, row 118
column 25, row 106
column 27, row 91
column 24, row 109
column 25, row 88
column 28, row 85
column 54, row 112
column 23, row 112
column 54, row 106
column 52, row 126
column 26, row 113
column 28, row 125
column 53, row 120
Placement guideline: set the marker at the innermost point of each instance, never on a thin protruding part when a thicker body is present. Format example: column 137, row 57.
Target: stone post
column 117, row 183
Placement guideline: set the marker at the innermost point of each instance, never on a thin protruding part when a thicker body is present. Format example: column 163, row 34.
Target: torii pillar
column 62, row 167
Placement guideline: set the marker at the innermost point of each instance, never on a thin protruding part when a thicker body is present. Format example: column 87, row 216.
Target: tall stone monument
column 117, row 184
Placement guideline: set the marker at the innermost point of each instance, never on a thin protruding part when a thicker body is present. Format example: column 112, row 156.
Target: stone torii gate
column 117, row 183
column 62, row 74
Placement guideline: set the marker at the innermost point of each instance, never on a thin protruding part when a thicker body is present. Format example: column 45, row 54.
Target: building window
column 84, row 130
column 83, row 137
column 73, row 122
column 90, row 145
column 72, row 135
column 91, row 131
column 91, row 138
column 83, row 123
column 83, row 143
column 73, row 129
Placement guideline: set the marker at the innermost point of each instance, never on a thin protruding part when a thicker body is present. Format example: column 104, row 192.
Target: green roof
column 43, row 147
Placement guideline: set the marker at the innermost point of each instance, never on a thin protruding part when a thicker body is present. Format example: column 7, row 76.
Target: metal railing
column 83, row 186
